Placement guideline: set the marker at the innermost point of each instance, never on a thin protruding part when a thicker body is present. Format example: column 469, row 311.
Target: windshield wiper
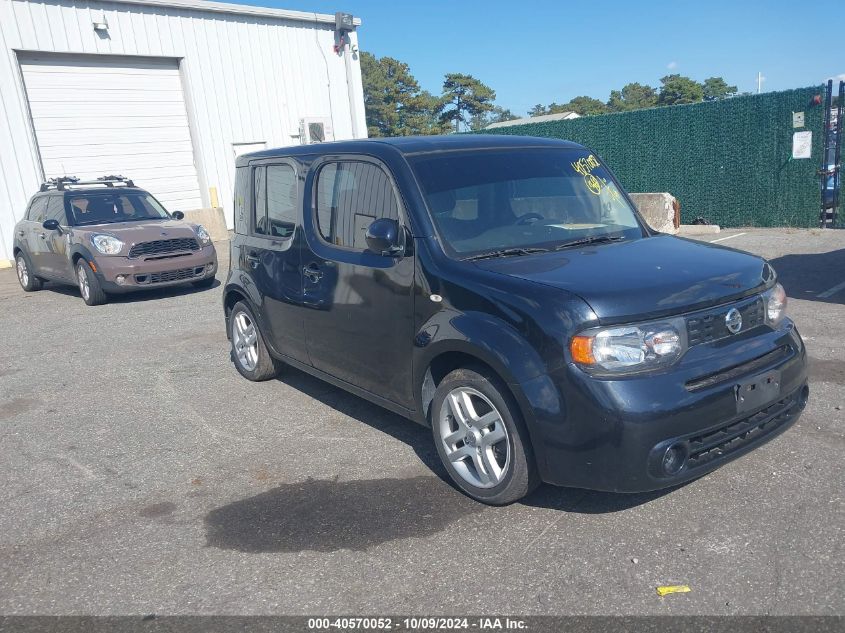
column 593, row 239
column 507, row 252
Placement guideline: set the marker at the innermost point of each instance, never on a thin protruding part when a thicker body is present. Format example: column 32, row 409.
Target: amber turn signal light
column 581, row 348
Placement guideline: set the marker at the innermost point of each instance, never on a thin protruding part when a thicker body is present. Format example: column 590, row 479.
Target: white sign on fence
column 802, row 144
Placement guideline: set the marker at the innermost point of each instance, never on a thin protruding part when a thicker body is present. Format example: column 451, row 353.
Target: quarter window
column 241, row 200
column 37, row 210
column 350, row 195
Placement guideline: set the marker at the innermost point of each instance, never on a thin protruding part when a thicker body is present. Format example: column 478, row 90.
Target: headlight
column 775, row 301
column 630, row 348
column 202, row 234
column 107, row 244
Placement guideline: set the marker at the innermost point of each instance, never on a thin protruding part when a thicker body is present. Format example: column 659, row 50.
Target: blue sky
column 542, row 51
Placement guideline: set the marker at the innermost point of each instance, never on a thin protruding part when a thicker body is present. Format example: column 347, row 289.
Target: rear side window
column 37, row 210
column 350, row 195
column 56, row 210
column 275, row 200
column 242, row 188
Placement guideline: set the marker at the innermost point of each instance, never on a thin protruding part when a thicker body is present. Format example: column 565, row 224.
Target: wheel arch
column 461, row 356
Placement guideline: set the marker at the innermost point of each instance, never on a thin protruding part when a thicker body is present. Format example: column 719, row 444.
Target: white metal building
column 166, row 92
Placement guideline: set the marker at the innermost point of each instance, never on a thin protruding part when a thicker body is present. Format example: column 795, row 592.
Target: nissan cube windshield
column 493, row 204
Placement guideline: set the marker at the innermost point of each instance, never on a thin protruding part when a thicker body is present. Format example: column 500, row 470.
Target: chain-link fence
column 727, row 161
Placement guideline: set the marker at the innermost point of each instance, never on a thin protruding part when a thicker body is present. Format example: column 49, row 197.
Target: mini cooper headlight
column 630, row 349
column 202, row 234
column 775, row 301
column 107, row 244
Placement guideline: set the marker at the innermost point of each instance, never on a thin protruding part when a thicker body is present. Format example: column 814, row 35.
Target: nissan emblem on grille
column 733, row 321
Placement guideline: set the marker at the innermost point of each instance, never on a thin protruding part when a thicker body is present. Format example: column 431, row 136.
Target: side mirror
column 51, row 225
column 385, row 237
column 178, row 215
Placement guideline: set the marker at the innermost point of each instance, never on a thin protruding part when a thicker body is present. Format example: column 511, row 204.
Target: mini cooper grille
column 710, row 326
column 164, row 247
column 170, row 275
column 730, row 438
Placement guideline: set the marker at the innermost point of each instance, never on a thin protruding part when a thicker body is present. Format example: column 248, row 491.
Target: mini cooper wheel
column 249, row 352
column 89, row 285
column 481, row 439
column 28, row 281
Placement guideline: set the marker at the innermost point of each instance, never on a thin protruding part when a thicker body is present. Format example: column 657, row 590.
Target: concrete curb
column 698, row 229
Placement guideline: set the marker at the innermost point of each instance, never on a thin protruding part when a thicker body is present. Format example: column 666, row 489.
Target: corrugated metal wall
column 246, row 78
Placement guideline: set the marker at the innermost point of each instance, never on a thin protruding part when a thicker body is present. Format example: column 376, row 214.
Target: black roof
column 412, row 145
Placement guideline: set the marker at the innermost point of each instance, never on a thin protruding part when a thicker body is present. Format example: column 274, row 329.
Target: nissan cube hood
column 645, row 277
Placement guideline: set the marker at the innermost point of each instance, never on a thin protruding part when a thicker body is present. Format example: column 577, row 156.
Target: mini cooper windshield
column 518, row 202
column 108, row 208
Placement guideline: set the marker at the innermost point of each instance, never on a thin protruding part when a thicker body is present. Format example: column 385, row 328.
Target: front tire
column 249, row 352
column 89, row 284
column 481, row 438
column 28, row 281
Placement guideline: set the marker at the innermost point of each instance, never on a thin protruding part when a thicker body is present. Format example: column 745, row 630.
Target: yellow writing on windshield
column 585, row 167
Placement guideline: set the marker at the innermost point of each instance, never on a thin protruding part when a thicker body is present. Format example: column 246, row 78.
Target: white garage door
column 97, row 116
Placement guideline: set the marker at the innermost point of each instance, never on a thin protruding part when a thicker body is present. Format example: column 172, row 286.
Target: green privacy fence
column 726, row 161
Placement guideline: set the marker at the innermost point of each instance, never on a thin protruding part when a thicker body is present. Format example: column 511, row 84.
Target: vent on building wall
column 315, row 130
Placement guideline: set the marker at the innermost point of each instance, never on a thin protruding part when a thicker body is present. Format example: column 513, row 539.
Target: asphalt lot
column 141, row 474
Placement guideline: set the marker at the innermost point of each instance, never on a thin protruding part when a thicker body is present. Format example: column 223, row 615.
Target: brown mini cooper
column 108, row 236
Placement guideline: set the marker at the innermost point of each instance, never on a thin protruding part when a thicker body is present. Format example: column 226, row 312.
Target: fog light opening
column 120, row 280
column 674, row 459
column 805, row 395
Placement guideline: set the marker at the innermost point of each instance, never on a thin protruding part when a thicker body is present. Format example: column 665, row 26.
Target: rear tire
column 481, row 438
column 89, row 284
column 249, row 352
column 28, row 281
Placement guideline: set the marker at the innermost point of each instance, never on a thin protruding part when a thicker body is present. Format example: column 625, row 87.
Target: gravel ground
column 141, row 474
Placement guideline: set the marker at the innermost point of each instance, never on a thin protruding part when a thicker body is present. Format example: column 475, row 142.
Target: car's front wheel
column 481, row 438
column 89, row 285
column 28, row 281
column 249, row 352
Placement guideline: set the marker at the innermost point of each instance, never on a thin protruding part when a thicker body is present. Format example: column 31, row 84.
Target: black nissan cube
column 505, row 292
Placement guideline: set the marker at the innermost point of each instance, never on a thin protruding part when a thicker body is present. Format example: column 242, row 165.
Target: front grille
column 730, row 438
column 709, row 326
column 158, row 248
column 170, row 275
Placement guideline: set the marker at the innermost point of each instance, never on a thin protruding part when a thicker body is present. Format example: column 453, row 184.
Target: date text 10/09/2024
column 416, row 623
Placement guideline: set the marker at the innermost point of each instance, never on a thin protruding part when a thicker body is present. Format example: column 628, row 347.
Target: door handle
column 253, row 259
column 43, row 236
column 313, row 273
column 21, row 233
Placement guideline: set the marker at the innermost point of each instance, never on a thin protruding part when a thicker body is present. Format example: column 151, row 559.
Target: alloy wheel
column 84, row 288
column 475, row 437
column 23, row 272
column 245, row 341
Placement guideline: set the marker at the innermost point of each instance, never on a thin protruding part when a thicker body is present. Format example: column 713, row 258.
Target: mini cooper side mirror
column 385, row 237
column 178, row 215
column 51, row 225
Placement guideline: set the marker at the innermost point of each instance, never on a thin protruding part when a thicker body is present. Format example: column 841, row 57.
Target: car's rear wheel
column 481, row 438
column 249, row 352
column 27, row 280
column 89, row 285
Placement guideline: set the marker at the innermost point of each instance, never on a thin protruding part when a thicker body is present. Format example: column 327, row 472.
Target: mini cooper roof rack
column 64, row 182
